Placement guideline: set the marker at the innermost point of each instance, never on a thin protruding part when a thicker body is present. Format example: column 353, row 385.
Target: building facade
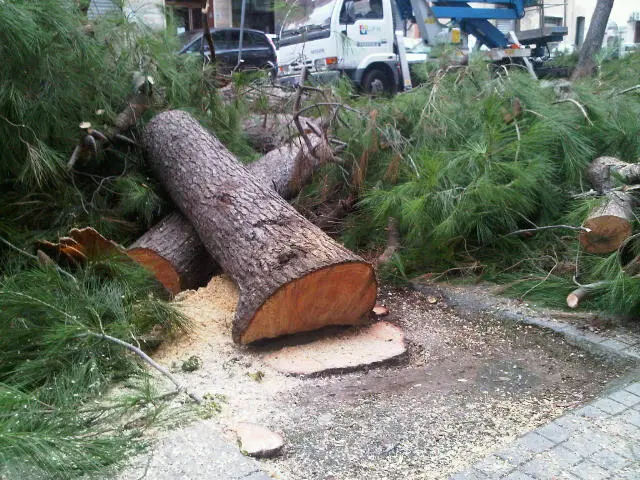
column 624, row 22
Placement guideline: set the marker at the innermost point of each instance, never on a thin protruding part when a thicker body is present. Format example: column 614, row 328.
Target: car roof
column 230, row 29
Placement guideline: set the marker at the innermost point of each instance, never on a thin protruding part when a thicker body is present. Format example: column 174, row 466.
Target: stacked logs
column 609, row 225
column 292, row 277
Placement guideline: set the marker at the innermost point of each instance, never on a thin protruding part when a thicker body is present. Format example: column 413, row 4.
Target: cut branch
column 583, row 292
column 147, row 359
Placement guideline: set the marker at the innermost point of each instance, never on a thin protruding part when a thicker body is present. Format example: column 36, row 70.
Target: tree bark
column 172, row 250
column 604, row 171
column 609, row 223
column 585, row 291
column 593, row 41
column 292, row 277
column 270, row 131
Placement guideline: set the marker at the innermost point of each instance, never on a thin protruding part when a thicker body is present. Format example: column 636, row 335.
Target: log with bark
column 610, row 223
column 172, row 249
column 604, row 171
column 292, row 277
column 270, row 131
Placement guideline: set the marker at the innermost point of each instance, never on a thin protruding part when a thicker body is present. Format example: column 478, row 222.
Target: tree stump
column 291, row 276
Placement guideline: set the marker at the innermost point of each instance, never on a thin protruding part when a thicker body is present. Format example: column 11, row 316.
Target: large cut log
column 604, row 171
column 609, row 224
column 172, row 249
column 292, row 277
column 268, row 132
column 174, row 253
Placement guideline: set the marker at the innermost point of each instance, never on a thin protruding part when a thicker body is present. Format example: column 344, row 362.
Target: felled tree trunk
column 174, row 253
column 292, row 277
column 604, row 171
column 609, row 224
column 268, row 132
column 172, row 249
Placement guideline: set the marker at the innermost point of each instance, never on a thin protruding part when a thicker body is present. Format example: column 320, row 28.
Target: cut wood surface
column 174, row 253
column 609, row 224
column 354, row 348
column 292, row 277
column 172, row 249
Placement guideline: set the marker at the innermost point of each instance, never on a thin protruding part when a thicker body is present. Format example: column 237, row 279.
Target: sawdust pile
column 211, row 310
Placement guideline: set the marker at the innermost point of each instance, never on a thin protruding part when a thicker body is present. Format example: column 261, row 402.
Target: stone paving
column 600, row 440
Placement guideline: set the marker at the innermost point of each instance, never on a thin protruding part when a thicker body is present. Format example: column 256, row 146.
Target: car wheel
column 377, row 82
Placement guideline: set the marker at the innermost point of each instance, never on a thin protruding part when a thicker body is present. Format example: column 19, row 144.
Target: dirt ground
column 468, row 385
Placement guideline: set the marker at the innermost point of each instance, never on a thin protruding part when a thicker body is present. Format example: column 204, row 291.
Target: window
column 553, row 21
column 363, row 9
column 256, row 40
column 579, row 31
column 195, row 46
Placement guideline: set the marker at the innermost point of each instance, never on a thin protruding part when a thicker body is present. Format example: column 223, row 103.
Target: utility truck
column 364, row 39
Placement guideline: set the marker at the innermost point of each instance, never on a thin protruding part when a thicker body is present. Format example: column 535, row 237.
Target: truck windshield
column 306, row 16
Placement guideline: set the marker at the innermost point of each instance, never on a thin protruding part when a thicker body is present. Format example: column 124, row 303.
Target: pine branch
column 147, row 359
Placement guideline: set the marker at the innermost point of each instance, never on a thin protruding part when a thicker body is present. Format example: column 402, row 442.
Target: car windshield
column 306, row 16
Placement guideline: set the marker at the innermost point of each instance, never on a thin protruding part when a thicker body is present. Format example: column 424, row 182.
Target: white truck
column 364, row 39
column 330, row 37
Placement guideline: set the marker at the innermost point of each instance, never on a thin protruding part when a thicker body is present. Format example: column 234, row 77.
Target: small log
column 609, row 223
column 292, row 277
column 603, row 172
column 585, row 291
column 172, row 250
column 174, row 253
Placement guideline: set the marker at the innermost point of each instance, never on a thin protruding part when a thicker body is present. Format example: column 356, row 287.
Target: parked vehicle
column 363, row 39
column 258, row 50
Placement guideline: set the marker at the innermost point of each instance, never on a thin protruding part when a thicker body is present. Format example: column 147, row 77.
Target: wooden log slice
column 609, row 224
column 292, row 277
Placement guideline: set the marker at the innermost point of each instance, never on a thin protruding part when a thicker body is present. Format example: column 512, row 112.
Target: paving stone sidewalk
column 600, row 440
column 196, row 452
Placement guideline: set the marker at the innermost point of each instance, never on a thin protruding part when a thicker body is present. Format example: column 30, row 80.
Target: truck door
column 368, row 28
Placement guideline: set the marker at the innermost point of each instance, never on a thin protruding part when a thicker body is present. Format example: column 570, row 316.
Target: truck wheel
column 376, row 82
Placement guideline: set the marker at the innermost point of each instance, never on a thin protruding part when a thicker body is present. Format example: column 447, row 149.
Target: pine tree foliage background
column 478, row 152
column 58, row 415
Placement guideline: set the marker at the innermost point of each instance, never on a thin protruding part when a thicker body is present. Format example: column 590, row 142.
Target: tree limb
column 147, row 359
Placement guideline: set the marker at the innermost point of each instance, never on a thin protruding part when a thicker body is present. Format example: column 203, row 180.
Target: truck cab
column 353, row 37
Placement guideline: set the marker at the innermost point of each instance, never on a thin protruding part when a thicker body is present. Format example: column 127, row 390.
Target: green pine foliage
column 486, row 151
column 59, row 417
column 54, row 371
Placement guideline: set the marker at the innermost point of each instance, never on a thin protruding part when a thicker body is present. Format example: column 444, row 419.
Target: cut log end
column 159, row 266
column 607, row 233
column 573, row 300
column 337, row 295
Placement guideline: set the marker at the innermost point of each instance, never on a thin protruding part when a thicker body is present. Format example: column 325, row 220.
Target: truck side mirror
column 348, row 14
